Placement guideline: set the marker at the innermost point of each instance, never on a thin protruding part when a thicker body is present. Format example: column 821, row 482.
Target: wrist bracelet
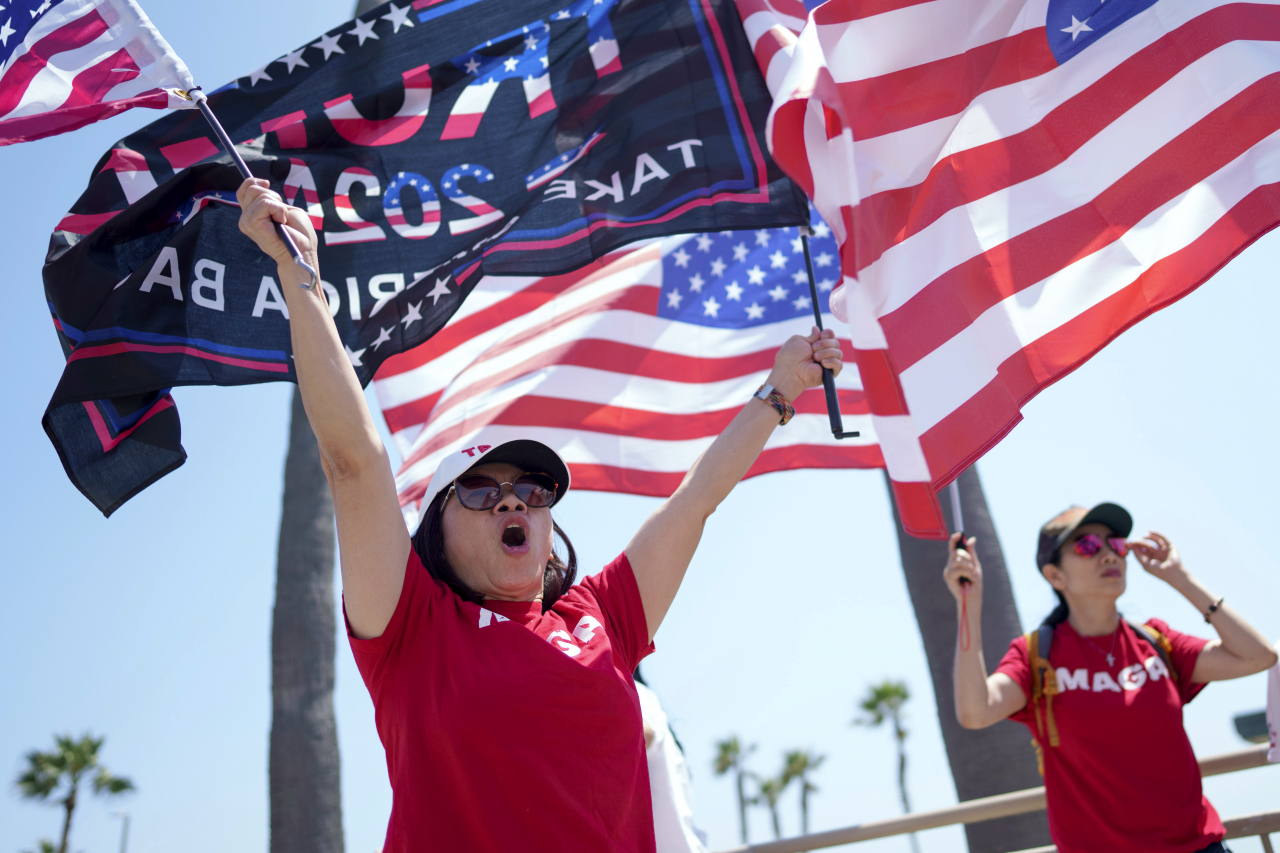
column 1213, row 608
column 774, row 398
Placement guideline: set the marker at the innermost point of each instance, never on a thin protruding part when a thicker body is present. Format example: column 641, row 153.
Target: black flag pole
column 828, row 378
column 203, row 104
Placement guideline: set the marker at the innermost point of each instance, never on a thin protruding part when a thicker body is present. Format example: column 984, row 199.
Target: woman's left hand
column 1157, row 555
column 799, row 363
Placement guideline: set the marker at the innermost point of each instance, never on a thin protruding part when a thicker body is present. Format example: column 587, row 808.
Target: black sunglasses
column 478, row 492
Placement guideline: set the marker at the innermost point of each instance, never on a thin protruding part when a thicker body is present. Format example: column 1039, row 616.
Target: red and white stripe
column 361, row 230
column 1001, row 217
column 83, row 61
column 583, row 363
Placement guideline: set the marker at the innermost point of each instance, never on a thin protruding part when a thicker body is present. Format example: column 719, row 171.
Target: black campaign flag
column 430, row 143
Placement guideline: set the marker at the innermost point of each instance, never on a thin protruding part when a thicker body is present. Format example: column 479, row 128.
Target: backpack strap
column 1161, row 644
column 1044, row 681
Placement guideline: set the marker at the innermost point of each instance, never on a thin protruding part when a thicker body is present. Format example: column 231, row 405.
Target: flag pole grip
column 203, row 104
column 828, row 378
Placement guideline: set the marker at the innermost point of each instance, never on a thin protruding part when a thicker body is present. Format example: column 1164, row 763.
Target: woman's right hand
column 963, row 563
column 260, row 209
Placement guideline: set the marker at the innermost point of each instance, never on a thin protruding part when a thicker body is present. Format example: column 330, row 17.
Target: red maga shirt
column 1124, row 777
column 507, row 728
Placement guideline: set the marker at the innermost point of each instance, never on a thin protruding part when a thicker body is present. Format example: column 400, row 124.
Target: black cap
column 1062, row 525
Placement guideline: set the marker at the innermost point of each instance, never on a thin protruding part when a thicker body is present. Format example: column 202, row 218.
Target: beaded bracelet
column 774, row 398
column 1213, row 608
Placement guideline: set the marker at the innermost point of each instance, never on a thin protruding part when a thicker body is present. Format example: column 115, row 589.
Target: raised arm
column 372, row 539
column 1239, row 650
column 981, row 700
column 660, row 552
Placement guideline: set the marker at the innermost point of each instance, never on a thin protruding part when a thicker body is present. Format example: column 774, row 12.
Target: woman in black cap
column 1103, row 697
column 502, row 691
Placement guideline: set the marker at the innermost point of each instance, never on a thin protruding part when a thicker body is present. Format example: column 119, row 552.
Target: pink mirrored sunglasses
column 1091, row 543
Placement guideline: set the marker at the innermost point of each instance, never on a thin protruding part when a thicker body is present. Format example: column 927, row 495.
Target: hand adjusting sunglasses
column 478, row 492
column 1091, row 543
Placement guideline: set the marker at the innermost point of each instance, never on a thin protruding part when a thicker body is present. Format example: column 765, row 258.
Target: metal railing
column 1013, row 803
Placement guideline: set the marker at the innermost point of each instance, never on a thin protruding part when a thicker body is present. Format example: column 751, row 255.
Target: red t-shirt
column 1124, row 778
column 507, row 728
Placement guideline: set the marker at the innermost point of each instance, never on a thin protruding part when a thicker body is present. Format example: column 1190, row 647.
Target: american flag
column 1013, row 184
column 629, row 367
column 68, row 63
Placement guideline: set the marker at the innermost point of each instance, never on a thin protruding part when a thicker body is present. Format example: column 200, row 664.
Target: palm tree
column 798, row 765
column 770, row 790
column 997, row 759
column 303, row 763
column 730, row 755
column 884, row 701
column 59, row 773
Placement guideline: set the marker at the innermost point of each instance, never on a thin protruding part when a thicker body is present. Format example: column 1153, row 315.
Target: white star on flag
column 779, row 293
column 509, row 63
column 472, row 65
column 826, row 284
column 704, row 243
column 799, row 276
column 441, row 289
column 824, row 260
column 414, row 315
column 755, row 275
column 733, row 291
column 762, row 237
column 740, row 252
column 384, row 336
column 674, row 298
column 821, row 230
column 1077, row 27
column 260, row 74
column 710, row 307
column 5, row 32
column 329, row 44
column 292, row 59
column 778, row 260
column 695, row 283
column 717, row 267
column 797, row 245
column 398, row 16
column 802, row 302
column 681, row 257
column 755, row 311
column 531, row 43
column 354, row 357
column 362, row 30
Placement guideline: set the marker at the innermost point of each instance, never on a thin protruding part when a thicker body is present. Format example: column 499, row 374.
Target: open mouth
column 513, row 536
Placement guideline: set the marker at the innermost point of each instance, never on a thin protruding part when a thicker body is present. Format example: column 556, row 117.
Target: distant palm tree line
column 58, row 774
column 882, row 702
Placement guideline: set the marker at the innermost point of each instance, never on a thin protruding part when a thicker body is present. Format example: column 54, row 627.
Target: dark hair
column 428, row 542
column 1060, row 613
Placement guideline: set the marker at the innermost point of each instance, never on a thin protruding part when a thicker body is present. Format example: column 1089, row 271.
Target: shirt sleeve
column 1016, row 665
column 618, row 598
column 1186, row 651
column 377, row 656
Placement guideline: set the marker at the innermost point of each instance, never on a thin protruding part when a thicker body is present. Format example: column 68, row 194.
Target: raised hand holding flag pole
column 203, row 104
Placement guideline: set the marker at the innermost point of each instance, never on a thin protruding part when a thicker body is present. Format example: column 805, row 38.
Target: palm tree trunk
column 989, row 761
column 804, row 806
column 777, row 825
column 901, row 737
column 306, row 794
column 742, row 806
column 70, row 805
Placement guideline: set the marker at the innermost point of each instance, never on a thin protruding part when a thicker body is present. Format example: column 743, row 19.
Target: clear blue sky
column 153, row 627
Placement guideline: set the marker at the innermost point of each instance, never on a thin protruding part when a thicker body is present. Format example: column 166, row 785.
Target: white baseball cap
column 532, row 456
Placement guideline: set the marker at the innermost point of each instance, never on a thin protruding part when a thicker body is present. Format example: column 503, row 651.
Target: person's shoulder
column 1162, row 627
